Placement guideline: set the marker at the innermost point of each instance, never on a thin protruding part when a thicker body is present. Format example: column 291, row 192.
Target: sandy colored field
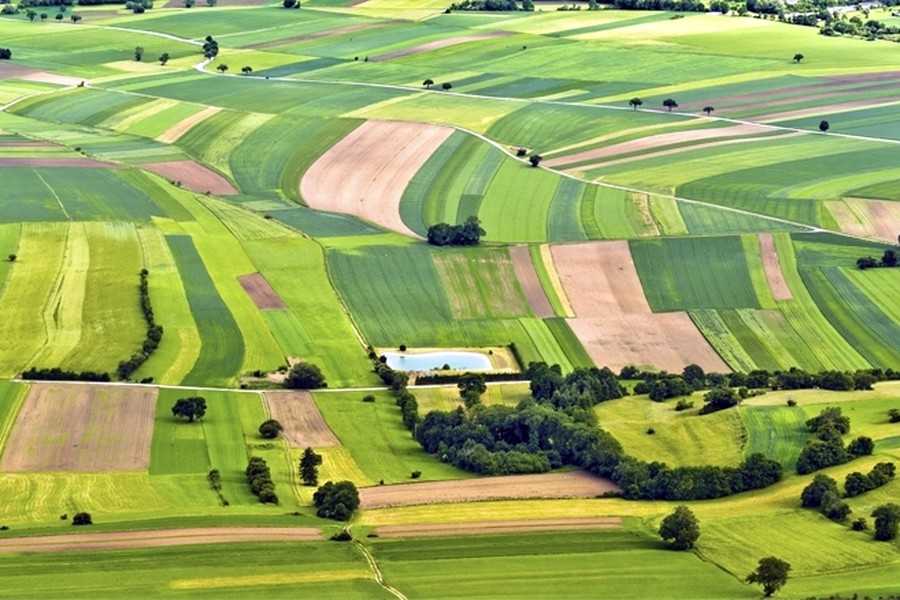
column 65, row 427
column 303, row 424
column 870, row 218
column 528, row 279
column 75, row 162
column 314, row 35
column 654, row 141
column 27, row 144
column 119, row 540
column 613, row 319
column 572, row 484
column 12, row 71
column 366, row 172
column 490, row 527
column 193, row 176
column 437, row 45
column 260, row 291
column 827, row 109
column 772, row 267
column 176, row 131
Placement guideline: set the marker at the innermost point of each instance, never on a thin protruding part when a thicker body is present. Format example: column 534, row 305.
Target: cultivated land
column 281, row 212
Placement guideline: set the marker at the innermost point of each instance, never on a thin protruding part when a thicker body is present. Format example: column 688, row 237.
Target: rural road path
column 376, row 570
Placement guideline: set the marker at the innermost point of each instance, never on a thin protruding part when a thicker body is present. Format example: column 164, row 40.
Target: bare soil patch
column 437, row 45
column 76, row 427
column 193, row 176
column 870, row 218
column 303, row 424
column 772, row 267
column 260, row 291
column 366, row 172
column 531, row 285
column 572, row 484
column 73, row 162
column 10, row 70
column 176, row 131
column 613, row 320
column 490, row 527
column 119, row 540
column 658, row 140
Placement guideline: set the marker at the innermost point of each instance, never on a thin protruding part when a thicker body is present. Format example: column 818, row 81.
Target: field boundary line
column 376, row 571
column 55, row 195
column 7, row 426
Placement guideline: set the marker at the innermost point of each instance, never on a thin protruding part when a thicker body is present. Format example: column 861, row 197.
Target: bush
column 467, row 234
column 819, row 454
column 861, row 446
column 684, row 404
column 5, row 53
column 270, row 429
column 887, row 519
column 305, row 376
column 336, row 500
column 259, row 476
column 82, row 518
column 343, row 535
column 834, row 508
column 859, row 524
column 813, row 494
column 191, row 408
column 718, row 399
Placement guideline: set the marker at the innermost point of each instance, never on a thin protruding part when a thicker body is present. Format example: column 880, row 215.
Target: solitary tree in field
column 163, row 58
column 139, row 53
column 82, row 518
column 428, row 83
column 798, row 58
column 290, row 4
column 824, row 126
column 59, row 16
column 305, row 376
column 771, row 573
column 246, row 70
column 446, row 85
column 336, row 500
column 11, row 258
column 222, row 68
column 669, row 103
column 708, row 110
column 31, row 15
column 75, row 18
column 44, row 16
column 535, row 159
column 680, row 528
column 270, row 429
column 309, row 467
column 190, row 408
column 635, row 103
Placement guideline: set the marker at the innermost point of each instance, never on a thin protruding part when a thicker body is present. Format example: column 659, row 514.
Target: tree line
column 151, row 339
column 465, row 234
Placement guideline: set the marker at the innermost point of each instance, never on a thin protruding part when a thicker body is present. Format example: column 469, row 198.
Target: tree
column 861, row 446
column 428, row 83
column 270, row 429
column 824, row 126
column 82, row 518
column 336, row 500
column 32, row 15
column 535, row 160
column 798, row 58
column 694, row 375
column 138, row 53
column 210, row 46
column 211, row 2
column 889, row 258
column 59, row 16
column 446, row 85
column 222, row 68
column 887, row 520
column 812, row 494
column 471, row 387
column 190, row 408
column 856, row 484
column 11, row 258
column 305, row 376
column 669, row 103
column 528, row 5
column 834, row 508
column 719, row 398
column 893, row 414
column 680, row 528
column 75, row 18
column 246, row 70
column 708, row 110
column 44, row 16
column 771, row 573
column 635, row 103
column 5, row 54
column 290, row 4
column 309, row 467
column 163, row 58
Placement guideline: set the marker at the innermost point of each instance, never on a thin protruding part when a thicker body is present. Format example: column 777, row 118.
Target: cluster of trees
column 822, row 494
column 214, row 477
column 309, row 467
column 826, row 448
column 336, row 500
column 137, row 6
column 5, row 54
column 858, row 483
column 153, row 336
column 260, row 479
column 398, row 380
column 57, row 374
column 191, row 408
column 467, row 234
column 671, row 5
column 305, row 376
column 580, row 389
column 888, row 260
column 492, row 5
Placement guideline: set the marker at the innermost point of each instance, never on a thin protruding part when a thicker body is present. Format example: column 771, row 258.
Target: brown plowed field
column 531, row 285
column 366, row 172
column 12, row 71
column 174, row 133
column 572, row 484
column 656, row 141
column 613, row 320
column 491, row 527
column 74, row 162
column 260, row 291
column 303, row 424
column 77, row 427
column 772, row 267
column 193, row 176
column 119, row 540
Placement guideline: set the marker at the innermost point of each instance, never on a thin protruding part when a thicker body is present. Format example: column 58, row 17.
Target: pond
column 432, row 361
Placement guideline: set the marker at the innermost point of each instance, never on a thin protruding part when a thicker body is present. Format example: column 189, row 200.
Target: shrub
column 859, row 524
column 887, row 519
column 684, row 404
column 861, row 446
column 336, row 500
column 191, row 408
column 305, row 376
column 717, row 399
column 270, row 429
column 812, row 494
column 82, row 518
